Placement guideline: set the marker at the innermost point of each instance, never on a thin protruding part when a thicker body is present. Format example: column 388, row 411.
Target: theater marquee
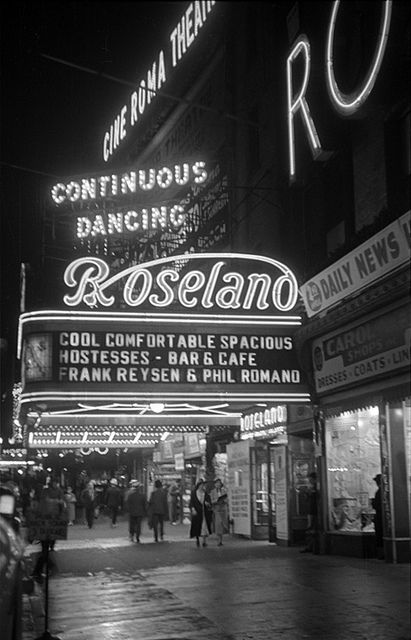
column 220, row 331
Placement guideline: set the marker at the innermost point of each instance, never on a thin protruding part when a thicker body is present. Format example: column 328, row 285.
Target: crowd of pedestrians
column 40, row 495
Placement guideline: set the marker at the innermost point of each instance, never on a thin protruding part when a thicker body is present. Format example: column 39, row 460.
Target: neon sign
column 99, row 357
column 139, row 180
column 344, row 104
column 269, row 417
column 181, row 39
column 146, row 219
column 349, row 104
column 219, row 289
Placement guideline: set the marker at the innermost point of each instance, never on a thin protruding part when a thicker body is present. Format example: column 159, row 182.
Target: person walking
column 136, row 504
column 51, row 503
column 312, row 515
column 173, row 497
column 113, row 500
column 158, row 508
column 376, row 504
column 88, row 500
column 201, row 513
column 219, row 501
column 70, row 500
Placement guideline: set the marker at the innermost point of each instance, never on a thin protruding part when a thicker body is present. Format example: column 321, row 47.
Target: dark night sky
column 53, row 117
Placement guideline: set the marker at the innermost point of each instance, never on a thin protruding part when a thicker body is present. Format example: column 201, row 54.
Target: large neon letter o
column 347, row 104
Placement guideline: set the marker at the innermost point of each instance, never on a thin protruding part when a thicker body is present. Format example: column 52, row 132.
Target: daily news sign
column 200, row 327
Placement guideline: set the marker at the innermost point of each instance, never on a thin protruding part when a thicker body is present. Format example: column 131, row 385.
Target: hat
column 114, row 481
column 377, row 478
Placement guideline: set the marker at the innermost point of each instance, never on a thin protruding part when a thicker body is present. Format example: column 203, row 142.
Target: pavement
column 108, row 588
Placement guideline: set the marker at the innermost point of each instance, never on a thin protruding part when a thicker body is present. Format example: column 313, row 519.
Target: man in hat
column 136, row 505
column 158, row 509
column 376, row 504
column 113, row 500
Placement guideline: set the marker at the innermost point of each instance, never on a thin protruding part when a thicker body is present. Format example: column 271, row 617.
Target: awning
column 377, row 393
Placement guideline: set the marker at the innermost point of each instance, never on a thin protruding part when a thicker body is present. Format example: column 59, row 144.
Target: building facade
column 300, row 114
column 353, row 203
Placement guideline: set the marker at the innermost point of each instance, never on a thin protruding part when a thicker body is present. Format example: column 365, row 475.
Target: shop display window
column 353, row 459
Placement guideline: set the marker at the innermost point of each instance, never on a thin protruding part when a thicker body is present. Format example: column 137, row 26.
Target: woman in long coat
column 201, row 513
column 88, row 499
column 220, row 510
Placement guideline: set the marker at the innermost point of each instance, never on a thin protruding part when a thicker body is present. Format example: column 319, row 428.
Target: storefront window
column 353, row 459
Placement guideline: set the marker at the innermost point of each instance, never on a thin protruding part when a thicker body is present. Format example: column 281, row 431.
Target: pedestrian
column 312, row 515
column 88, row 500
column 201, row 513
column 51, row 503
column 113, row 500
column 158, row 509
column 173, row 497
column 219, row 501
column 376, row 504
column 70, row 500
column 136, row 505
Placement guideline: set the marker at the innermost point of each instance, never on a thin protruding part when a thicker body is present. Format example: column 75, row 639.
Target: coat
column 158, row 502
column 199, row 514
column 87, row 499
column 136, row 503
column 113, row 497
column 220, row 511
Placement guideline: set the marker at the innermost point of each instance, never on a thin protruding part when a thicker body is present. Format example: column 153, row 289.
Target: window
column 353, row 459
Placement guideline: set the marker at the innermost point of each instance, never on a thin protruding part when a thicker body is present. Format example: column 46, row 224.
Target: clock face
column 37, row 358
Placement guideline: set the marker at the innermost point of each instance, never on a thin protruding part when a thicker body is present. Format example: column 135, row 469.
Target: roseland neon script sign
column 167, row 283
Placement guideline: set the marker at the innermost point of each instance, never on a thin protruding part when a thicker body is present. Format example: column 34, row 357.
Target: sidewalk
column 109, row 588
column 79, row 536
column 103, row 535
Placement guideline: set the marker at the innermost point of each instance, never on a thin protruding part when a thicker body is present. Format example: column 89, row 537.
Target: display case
column 353, row 460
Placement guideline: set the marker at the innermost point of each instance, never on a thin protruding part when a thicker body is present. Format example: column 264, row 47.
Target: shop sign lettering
column 376, row 347
column 268, row 420
column 378, row 256
column 47, row 527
